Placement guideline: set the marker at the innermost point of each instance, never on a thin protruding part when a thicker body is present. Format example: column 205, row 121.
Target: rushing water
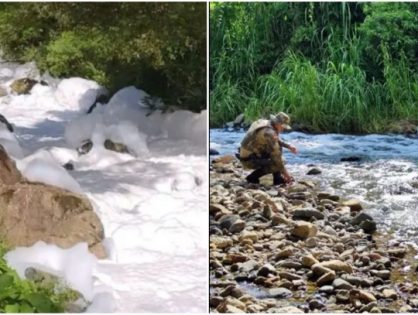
column 385, row 179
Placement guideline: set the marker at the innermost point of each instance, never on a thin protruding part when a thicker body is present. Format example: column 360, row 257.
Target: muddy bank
column 300, row 249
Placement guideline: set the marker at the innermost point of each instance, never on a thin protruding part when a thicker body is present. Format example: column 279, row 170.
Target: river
column 385, row 179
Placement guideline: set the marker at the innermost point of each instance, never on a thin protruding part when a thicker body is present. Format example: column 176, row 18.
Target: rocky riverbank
column 298, row 249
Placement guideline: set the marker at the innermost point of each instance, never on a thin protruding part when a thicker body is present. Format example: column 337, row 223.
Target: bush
column 159, row 47
column 24, row 296
column 335, row 67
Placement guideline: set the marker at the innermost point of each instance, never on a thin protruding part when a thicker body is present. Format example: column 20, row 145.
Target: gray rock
column 382, row 274
column 85, row 147
column 213, row 152
column 307, row 214
column 328, row 289
column 326, row 278
column 69, row 166
column 343, row 296
column 266, row 270
column 78, row 306
column 316, row 305
column 227, row 220
column 239, row 120
column 279, row 293
column 352, row 279
column 364, row 221
column 237, row 226
column 341, row 284
column 115, row 146
column 314, row 171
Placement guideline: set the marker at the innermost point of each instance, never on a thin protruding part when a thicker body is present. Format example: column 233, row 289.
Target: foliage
column 159, row 47
column 24, row 296
column 335, row 67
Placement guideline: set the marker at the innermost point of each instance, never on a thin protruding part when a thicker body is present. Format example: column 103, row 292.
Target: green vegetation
column 158, row 47
column 335, row 67
column 23, row 296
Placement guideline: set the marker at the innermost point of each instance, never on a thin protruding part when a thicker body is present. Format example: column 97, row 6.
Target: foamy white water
column 153, row 208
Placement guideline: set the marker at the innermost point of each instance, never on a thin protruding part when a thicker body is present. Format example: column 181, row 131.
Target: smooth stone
column 289, row 276
column 248, row 235
column 226, row 221
column 353, row 204
column 328, row 289
column 337, row 265
column 326, row 279
column 382, row 274
column 304, row 229
column 341, row 284
column 279, row 293
column 237, row 227
column 285, row 253
column 314, row 171
column 265, row 270
column 343, row 296
column 309, row 261
column 307, row 214
column 316, row 305
column 363, row 296
column 390, row 294
column 221, row 242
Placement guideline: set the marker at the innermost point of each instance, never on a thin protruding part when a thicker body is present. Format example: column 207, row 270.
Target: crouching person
column 261, row 150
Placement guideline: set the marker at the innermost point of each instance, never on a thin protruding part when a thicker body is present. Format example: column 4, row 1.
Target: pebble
column 221, row 242
column 304, row 229
column 326, row 278
column 307, row 214
column 237, row 226
column 279, row 293
column 248, row 235
column 390, row 294
column 343, row 296
column 309, row 261
column 382, row 274
column 339, row 284
column 266, row 270
column 328, row 289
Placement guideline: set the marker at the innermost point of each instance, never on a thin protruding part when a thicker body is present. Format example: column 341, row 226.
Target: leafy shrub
column 24, row 296
column 159, row 47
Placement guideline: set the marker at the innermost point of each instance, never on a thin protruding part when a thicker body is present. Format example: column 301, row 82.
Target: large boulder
column 9, row 174
column 31, row 212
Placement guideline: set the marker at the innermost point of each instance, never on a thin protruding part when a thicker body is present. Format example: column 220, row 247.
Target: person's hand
column 293, row 149
column 287, row 178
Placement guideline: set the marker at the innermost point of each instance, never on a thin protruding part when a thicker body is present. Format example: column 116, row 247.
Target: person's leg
column 278, row 179
column 254, row 177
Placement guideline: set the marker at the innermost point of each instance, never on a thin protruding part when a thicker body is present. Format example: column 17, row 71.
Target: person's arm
column 288, row 146
column 276, row 154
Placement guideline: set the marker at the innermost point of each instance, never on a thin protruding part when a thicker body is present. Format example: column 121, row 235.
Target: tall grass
column 317, row 74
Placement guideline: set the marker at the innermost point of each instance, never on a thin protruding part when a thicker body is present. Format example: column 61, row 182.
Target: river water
column 385, row 179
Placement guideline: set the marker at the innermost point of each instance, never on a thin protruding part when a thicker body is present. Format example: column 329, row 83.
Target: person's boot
column 278, row 179
column 254, row 177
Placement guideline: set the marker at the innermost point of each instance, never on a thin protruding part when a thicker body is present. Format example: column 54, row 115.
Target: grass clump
column 335, row 67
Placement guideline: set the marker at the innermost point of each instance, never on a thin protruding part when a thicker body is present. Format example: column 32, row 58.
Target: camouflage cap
column 281, row 118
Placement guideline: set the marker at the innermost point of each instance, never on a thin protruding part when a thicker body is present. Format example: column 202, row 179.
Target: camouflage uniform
column 261, row 150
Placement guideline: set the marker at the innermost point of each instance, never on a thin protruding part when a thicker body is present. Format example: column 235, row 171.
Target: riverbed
column 385, row 179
